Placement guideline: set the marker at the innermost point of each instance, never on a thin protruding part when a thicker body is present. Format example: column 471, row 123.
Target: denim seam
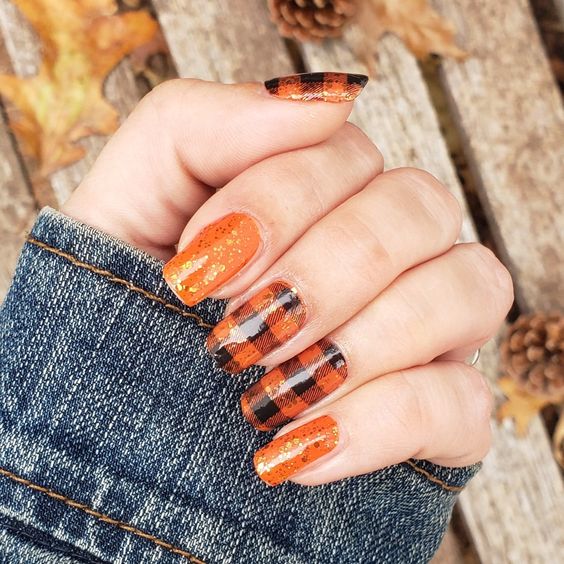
column 100, row 516
column 157, row 299
column 432, row 478
column 116, row 279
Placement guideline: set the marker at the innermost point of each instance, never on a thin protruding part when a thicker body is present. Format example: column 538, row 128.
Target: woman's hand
column 344, row 278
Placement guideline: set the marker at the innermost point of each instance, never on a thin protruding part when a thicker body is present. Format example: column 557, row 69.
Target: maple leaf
column 81, row 43
column 520, row 406
column 423, row 30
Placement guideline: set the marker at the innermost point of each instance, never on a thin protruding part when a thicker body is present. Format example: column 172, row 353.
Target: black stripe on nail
column 272, row 85
column 360, row 79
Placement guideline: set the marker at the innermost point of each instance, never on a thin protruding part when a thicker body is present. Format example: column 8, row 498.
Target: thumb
column 189, row 137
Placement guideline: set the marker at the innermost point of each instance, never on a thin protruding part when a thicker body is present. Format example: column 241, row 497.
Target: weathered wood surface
column 510, row 112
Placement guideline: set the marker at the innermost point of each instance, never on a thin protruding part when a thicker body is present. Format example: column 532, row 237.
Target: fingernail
column 217, row 253
column 268, row 319
column 325, row 86
column 287, row 390
column 292, row 452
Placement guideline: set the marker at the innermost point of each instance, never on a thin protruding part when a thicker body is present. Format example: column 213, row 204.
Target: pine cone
column 533, row 354
column 311, row 20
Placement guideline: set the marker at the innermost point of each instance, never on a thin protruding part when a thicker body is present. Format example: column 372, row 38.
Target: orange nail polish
column 292, row 452
column 217, row 253
column 324, row 86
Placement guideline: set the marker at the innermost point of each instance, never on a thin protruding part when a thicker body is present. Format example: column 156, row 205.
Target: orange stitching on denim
column 105, row 518
column 432, row 478
column 113, row 278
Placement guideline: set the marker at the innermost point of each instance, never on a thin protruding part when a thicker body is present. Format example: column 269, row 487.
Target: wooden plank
column 510, row 113
column 226, row 41
column 23, row 49
column 17, row 205
column 396, row 112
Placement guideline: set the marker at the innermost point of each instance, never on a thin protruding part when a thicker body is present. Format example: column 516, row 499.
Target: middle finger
column 402, row 218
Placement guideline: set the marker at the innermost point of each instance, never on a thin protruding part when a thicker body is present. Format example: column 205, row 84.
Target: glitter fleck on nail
column 216, row 254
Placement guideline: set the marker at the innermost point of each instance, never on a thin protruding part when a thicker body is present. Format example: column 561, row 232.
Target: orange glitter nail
column 292, row 452
column 217, row 253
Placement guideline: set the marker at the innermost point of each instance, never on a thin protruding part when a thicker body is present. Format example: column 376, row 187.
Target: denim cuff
column 121, row 441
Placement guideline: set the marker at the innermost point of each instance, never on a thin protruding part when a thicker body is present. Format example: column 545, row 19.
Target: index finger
column 189, row 135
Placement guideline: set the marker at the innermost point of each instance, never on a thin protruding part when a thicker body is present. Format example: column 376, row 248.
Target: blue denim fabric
column 121, row 442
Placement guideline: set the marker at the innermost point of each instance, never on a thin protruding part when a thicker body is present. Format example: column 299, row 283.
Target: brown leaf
column 81, row 43
column 519, row 406
column 415, row 22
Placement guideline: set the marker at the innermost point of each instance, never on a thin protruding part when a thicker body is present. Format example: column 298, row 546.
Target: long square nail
column 260, row 325
column 314, row 86
column 293, row 386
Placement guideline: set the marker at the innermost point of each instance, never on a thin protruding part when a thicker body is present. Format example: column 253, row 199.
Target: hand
column 344, row 278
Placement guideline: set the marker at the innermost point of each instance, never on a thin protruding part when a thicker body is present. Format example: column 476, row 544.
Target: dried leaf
column 81, row 43
column 519, row 406
column 415, row 22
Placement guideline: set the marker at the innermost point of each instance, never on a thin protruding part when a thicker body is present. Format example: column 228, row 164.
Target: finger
column 454, row 302
column 402, row 218
column 438, row 412
column 184, row 137
column 268, row 206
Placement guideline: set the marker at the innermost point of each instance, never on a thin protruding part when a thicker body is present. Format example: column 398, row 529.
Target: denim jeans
column 121, row 442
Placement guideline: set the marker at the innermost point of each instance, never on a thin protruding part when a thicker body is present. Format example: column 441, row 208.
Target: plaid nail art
column 266, row 321
column 292, row 387
column 325, row 86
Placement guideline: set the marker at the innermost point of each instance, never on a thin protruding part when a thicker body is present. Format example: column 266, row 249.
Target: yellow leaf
column 81, row 43
column 519, row 406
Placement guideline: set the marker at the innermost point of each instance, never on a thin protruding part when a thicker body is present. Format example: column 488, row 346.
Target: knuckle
column 163, row 100
column 354, row 236
column 492, row 275
column 434, row 198
column 479, row 397
column 360, row 145
column 408, row 411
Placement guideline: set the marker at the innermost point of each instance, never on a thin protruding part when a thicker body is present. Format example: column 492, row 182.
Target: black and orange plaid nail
column 287, row 390
column 324, row 86
column 260, row 325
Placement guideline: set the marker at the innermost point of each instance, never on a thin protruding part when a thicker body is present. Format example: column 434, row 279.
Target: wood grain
column 510, row 114
column 17, row 208
column 229, row 41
